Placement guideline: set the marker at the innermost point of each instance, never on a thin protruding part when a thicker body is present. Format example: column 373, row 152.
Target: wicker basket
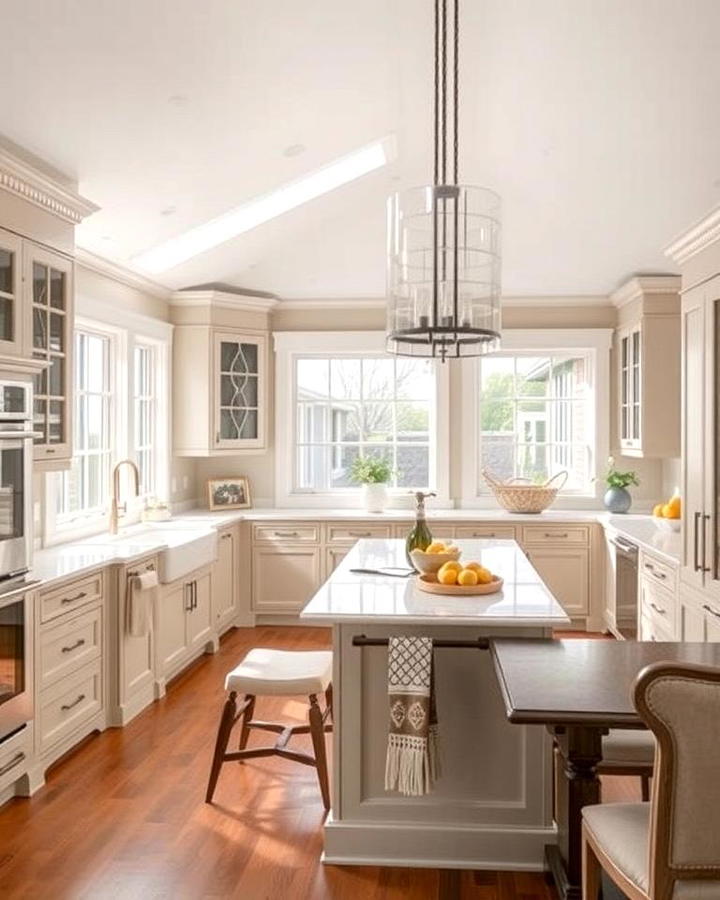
column 518, row 495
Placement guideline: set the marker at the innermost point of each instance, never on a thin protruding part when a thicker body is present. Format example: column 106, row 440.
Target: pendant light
column 444, row 238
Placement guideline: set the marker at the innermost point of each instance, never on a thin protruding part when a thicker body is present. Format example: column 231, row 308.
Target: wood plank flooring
column 123, row 817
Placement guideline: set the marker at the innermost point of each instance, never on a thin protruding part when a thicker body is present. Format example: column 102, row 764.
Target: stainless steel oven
column 16, row 704
column 16, row 454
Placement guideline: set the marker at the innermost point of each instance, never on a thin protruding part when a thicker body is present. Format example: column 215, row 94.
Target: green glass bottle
column 420, row 536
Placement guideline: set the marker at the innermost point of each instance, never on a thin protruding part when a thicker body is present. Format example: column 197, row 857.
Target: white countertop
column 350, row 597
column 74, row 558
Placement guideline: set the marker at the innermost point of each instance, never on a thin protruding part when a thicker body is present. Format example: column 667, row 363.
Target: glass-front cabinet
column 11, row 320
column 49, row 276
column 239, row 391
column 630, row 389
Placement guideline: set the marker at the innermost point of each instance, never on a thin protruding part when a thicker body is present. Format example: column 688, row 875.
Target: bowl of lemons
column 454, row 577
column 434, row 556
column 666, row 516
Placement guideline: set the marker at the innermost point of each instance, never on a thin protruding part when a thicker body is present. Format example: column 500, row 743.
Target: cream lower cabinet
column 183, row 623
column 285, row 577
column 561, row 554
column 226, row 580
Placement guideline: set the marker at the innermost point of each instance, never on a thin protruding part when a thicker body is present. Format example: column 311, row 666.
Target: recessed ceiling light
column 294, row 150
column 248, row 216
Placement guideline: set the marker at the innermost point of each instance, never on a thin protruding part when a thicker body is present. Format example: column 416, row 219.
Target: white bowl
column 666, row 524
column 429, row 563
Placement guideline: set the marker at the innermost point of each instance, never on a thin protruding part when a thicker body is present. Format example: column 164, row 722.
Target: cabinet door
column 172, row 630
column 284, row 579
column 50, row 280
column 11, row 318
column 693, row 431
column 239, row 391
column 334, row 556
column 630, row 388
column 225, row 578
column 691, row 621
column 565, row 571
column 199, row 620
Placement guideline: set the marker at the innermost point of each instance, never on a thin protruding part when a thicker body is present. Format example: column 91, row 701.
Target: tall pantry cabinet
column 698, row 254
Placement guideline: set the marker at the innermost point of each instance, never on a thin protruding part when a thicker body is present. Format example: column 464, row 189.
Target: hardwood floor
column 124, row 817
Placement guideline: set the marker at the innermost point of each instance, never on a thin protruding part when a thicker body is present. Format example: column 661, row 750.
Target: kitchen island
column 491, row 806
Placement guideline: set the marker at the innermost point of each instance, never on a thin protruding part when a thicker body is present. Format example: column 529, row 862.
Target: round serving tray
column 431, row 585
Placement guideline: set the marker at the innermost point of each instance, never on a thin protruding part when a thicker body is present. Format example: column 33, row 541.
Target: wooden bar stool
column 266, row 672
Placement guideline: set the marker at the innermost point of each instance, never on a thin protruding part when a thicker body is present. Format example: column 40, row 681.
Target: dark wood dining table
column 578, row 689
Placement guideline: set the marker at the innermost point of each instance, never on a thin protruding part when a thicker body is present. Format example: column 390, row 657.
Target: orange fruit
column 674, row 507
column 447, row 576
column 658, row 510
column 467, row 577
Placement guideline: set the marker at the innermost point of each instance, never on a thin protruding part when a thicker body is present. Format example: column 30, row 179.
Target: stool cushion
column 622, row 831
column 281, row 672
column 628, row 746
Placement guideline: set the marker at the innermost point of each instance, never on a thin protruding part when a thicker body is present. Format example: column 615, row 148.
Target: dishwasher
column 626, row 587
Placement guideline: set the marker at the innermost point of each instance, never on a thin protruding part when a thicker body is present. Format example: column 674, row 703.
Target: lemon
column 436, row 547
column 467, row 577
column 473, row 565
column 447, row 576
column 672, row 508
column 658, row 510
column 484, row 576
column 451, row 565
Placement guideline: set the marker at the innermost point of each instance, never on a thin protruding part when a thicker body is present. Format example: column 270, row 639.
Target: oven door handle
column 20, row 435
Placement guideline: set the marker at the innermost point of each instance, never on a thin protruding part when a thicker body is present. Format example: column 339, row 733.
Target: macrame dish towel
column 412, row 764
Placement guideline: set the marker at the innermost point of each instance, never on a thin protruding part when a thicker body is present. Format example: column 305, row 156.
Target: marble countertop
column 350, row 597
column 644, row 532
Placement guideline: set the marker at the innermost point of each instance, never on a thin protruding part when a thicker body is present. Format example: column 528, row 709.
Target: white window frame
column 595, row 343
column 127, row 329
column 289, row 346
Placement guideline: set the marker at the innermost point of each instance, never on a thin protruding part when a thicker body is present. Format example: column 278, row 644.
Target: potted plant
column 373, row 474
column 617, row 498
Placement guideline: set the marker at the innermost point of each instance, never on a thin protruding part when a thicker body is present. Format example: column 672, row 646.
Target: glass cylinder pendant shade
column 444, row 271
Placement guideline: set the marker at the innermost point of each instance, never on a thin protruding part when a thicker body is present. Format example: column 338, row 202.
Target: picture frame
column 230, row 492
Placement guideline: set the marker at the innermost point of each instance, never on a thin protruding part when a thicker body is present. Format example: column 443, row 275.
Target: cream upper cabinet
column 647, row 349
column 11, row 281
column 220, row 373
column 49, row 317
column 239, row 373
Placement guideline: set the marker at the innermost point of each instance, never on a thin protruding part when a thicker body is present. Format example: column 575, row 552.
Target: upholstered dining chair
column 669, row 848
column 629, row 752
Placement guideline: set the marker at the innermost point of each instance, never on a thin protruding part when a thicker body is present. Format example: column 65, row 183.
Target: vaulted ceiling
column 596, row 121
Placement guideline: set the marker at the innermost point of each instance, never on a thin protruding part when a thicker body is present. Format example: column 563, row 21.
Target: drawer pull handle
column 711, row 610
column 360, row 534
column 651, row 568
column 658, row 609
column 150, row 567
column 66, row 706
column 16, row 760
column 225, row 537
column 75, row 598
column 79, row 643
column 558, row 534
column 286, row 534
column 481, row 534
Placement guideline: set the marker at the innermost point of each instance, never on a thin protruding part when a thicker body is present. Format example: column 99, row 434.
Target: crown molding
column 380, row 302
column 240, row 302
column 556, row 300
column 103, row 266
column 699, row 236
column 333, row 303
column 29, row 183
column 639, row 285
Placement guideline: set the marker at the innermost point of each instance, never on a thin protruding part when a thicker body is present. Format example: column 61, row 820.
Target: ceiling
column 596, row 121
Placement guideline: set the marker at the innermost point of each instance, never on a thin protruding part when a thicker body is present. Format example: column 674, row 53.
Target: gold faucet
column 116, row 507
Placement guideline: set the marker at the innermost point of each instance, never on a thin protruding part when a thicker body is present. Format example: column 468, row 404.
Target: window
column 145, row 416
column 535, row 417
column 371, row 407
column 85, row 488
column 356, row 401
column 120, row 397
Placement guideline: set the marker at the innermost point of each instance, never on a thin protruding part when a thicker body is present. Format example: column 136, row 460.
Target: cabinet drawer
column 57, row 601
column 651, row 630
column 68, row 704
column 14, row 756
column 659, row 607
column 287, row 531
column 552, row 534
column 658, row 571
column 68, row 645
column 348, row 534
column 503, row 532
